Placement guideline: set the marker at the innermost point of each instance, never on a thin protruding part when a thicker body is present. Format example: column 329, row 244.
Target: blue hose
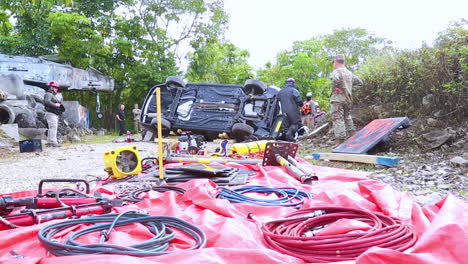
column 288, row 196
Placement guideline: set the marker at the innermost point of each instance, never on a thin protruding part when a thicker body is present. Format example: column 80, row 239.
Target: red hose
column 287, row 235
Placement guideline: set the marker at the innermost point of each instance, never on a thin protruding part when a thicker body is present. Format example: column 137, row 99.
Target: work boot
column 54, row 145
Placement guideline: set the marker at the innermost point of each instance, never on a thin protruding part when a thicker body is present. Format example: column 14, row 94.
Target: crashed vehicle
column 241, row 111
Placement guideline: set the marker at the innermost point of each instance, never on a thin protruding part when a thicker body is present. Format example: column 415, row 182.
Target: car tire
column 254, row 87
column 241, row 131
column 7, row 115
column 174, row 81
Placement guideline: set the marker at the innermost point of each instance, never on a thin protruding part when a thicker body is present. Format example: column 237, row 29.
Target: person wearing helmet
column 54, row 108
column 341, row 100
column 290, row 101
column 308, row 111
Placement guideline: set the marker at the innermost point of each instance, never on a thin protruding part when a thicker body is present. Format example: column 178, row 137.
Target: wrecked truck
column 23, row 83
column 244, row 111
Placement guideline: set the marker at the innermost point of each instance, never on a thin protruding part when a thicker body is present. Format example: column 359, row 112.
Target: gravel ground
column 23, row 171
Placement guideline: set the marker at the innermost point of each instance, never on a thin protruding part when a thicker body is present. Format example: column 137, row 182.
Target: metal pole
column 159, row 128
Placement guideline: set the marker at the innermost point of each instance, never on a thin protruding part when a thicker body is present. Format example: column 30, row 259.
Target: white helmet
column 309, row 94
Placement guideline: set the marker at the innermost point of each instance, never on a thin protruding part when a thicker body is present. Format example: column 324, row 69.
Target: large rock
column 459, row 161
column 438, row 138
column 428, row 100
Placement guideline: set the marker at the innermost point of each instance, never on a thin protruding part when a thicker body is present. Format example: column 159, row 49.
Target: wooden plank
column 361, row 158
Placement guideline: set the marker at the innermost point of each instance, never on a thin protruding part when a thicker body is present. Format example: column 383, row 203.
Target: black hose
column 133, row 196
column 158, row 225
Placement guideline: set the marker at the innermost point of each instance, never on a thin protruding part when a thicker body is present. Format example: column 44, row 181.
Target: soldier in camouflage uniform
column 136, row 118
column 342, row 82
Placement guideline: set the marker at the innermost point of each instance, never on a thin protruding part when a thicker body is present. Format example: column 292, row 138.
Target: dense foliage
column 141, row 42
column 401, row 79
column 135, row 41
column 219, row 62
column 310, row 61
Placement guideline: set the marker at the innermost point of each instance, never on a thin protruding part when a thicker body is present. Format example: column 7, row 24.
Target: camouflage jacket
column 342, row 82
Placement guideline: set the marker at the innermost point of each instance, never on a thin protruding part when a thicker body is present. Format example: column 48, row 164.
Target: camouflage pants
column 342, row 120
column 137, row 126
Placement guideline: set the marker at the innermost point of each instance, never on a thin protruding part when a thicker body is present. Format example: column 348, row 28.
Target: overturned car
column 241, row 111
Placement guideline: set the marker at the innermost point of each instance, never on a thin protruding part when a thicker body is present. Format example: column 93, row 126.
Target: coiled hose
column 291, row 234
column 287, row 196
column 133, row 196
column 158, row 225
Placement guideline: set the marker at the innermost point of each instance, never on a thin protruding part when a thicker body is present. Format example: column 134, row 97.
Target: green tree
column 30, row 34
column 310, row 61
column 217, row 62
column 400, row 80
column 356, row 44
column 139, row 46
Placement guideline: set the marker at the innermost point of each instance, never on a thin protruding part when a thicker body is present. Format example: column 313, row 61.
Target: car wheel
column 255, row 87
column 241, row 131
column 174, row 81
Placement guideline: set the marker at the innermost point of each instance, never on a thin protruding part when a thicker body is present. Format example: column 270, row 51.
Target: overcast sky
column 266, row 27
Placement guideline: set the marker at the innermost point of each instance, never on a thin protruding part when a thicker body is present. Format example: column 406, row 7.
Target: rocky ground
column 433, row 160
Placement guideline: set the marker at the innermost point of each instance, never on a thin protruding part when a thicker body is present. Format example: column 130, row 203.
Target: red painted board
column 370, row 135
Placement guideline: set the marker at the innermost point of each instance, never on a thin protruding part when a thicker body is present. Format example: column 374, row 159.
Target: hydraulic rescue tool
column 282, row 153
column 294, row 168
column 51, row 199
column 8, row 203
column 35, row 216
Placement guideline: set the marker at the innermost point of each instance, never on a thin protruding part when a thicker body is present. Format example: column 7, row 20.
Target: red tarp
column 442, row 229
